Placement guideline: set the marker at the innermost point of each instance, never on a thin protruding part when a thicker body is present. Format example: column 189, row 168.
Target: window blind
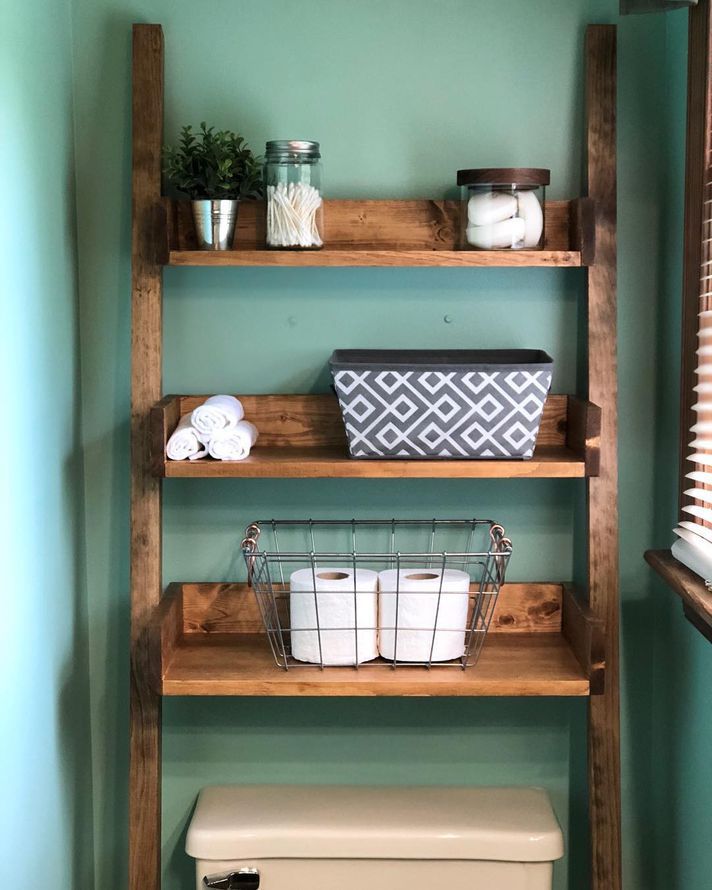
column 694, row 531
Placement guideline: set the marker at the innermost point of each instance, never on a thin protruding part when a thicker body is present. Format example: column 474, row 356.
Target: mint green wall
column 401, row 94
column 45, row 786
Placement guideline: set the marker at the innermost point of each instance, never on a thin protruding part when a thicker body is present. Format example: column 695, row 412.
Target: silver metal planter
column 215, row 223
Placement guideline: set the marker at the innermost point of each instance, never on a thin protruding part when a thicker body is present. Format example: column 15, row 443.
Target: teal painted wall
column 45, row 807
column 400, row 95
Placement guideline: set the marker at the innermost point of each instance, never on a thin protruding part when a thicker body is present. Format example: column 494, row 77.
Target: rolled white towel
column 508, row 233
column 185, row 443
column 487, row 208
column 529, row 209
column 217, row 413
column 235, row 443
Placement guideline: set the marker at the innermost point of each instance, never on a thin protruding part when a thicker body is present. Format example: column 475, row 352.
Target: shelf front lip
column 696, row 599
column 377, row 681
column 350, row 258
column 308, row 463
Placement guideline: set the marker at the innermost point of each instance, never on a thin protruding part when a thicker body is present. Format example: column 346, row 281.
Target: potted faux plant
column 215, row 168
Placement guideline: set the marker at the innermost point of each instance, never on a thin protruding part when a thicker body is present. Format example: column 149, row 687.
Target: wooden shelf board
column 302, row 437
column 383, row 233
column 334, row 462
column 696, row 599
column 345, row 258
column 243, row 664
column 543, row 641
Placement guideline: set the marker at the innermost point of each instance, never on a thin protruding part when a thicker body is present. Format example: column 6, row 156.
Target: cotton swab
column 292, row 215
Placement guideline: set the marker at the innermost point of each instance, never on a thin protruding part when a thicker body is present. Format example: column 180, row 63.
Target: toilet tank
column 347, row 838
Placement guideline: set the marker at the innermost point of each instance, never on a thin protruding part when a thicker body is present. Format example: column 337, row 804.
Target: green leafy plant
column 213, row 164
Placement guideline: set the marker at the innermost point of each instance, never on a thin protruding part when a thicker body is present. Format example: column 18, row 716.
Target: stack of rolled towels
column 346, row 616
column 216, row 428
column 498, row 219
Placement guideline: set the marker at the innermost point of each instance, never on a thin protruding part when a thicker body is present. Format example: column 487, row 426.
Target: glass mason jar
column 292, row 178
column 502, row 209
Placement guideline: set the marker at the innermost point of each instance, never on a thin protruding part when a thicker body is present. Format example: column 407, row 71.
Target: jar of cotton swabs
column 293, row 193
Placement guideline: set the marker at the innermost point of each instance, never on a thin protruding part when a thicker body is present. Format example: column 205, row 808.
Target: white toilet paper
column 486, row 208
column 417, row 610
column 339, row 613
column 529, row 209
column 507, row 233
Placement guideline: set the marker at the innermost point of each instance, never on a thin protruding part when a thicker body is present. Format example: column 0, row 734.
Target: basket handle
column 249, row 547
column 500, row 542
column 502, row 546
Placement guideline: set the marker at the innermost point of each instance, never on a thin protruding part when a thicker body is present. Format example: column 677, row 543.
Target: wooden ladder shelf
column 207, row 639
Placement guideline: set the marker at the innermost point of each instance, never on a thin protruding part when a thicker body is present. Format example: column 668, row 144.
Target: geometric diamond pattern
column 483, row 414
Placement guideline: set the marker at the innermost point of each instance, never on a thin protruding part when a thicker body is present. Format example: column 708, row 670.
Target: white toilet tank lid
column 352, row 822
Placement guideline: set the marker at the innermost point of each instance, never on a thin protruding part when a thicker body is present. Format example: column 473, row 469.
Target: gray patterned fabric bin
column 484, row 404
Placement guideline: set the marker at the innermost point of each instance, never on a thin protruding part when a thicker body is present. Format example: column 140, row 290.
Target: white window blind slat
column 695, row 528
column 700, row 476
column 699, row 512
column 700, row 530
column 699, row 457
column 700, row 494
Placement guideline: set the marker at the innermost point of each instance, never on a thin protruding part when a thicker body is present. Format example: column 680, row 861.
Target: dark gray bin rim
column 437, row 359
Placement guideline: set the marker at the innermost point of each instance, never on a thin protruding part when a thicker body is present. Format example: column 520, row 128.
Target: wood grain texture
column 583, row 433
column 583, row 229
column 164, row 418
column 510, row 665
column 146, row 337
column 696, row 599
column 395, row 225
column 604, row 710
column 549, row 462
column 504, row 176
column 224, row 651
column 349, row 258
column 375, row 233
column 302, row 436
column 586, row 635
column 226, row 608
column 699, row 99
column 221, row 649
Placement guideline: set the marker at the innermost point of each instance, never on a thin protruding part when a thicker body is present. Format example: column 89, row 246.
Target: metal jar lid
column 292, row 149
column 530, row 177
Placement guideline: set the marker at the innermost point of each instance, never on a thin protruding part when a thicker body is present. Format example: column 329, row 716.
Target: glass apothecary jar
column 295, row 209
column 502, row 209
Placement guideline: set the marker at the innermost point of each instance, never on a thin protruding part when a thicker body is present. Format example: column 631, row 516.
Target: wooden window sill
column 696, row 599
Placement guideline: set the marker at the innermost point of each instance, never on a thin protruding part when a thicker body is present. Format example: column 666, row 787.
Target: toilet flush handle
column 244, row 879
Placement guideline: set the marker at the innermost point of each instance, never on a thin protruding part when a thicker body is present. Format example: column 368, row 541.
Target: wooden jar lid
column 525, row 176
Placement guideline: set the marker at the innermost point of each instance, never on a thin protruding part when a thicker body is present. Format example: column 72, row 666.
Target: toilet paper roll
column 343, row 617
column 508, row 233
column 418, row 595
column 487, row 208
column 529, row 209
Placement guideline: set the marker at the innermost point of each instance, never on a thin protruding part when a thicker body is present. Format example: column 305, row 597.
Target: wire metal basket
column 370, row 593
